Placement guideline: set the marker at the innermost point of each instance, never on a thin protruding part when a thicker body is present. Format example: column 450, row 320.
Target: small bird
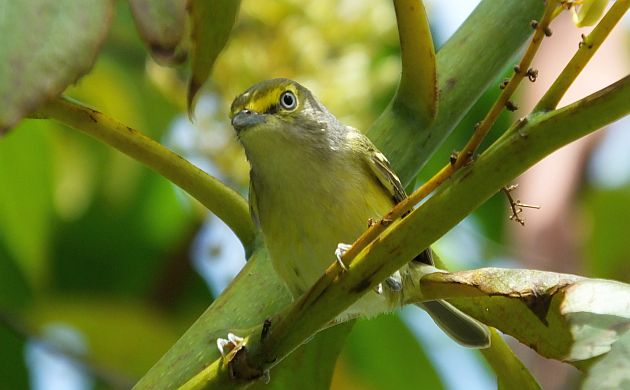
column 315, row 183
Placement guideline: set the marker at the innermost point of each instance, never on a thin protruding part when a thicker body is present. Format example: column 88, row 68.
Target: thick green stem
column 497, row 31
column 226, row 203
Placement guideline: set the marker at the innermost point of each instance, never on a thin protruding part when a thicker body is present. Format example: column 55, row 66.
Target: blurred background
column 103, row 263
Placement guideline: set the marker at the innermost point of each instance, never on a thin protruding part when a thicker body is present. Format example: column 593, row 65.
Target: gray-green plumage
column 314, row 184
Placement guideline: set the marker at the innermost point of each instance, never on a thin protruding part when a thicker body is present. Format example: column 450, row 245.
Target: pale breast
column 306, row 210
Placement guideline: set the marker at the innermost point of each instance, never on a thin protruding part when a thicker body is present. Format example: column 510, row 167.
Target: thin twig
column 517, row 206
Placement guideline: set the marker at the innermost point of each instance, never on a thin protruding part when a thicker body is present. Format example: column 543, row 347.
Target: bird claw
column 339, row 252
column 394, row 284
column 230, row 346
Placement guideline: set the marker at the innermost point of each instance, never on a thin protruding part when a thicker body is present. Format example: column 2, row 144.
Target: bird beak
column 246, row 118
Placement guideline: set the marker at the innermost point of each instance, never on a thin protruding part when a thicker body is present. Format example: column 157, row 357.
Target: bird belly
column 303, row 225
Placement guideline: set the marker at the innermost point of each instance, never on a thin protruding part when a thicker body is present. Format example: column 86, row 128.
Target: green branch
column 226, row 203
column 463, row 76
column 585, row 52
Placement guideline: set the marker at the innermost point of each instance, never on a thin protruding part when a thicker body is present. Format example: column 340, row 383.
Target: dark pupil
column 287, row 100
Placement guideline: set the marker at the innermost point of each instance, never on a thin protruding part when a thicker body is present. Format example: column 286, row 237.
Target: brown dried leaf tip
column 516, row 207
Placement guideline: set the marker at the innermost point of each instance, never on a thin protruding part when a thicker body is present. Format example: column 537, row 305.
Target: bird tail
column 461, row 327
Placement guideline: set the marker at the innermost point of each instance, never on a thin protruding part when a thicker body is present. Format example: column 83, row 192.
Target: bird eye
column 288, row 101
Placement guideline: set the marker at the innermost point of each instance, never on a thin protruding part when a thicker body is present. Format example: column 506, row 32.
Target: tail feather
column 459, row 326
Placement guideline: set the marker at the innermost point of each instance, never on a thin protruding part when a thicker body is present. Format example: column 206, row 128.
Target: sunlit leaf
column 46, row 45
column 613, row 370
column 564, row 317
column 162, row 25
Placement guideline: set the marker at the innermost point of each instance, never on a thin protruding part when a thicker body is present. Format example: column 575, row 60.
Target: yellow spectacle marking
column 263, row 99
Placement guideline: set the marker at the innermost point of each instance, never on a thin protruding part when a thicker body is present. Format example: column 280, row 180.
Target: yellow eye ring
column 288, row 101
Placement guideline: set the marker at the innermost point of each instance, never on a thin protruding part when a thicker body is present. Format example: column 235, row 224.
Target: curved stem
column 417, row 90
column 226, row 203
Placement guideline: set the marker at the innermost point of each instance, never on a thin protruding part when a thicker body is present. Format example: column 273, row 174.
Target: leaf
column 561, row 316
column 612, row 371
column 110, row 326
column 212, row 23
column 46, row 45
column 383, row 354
column 162, row 25
column 311, row 366
column 26, row 197
column 598, row 313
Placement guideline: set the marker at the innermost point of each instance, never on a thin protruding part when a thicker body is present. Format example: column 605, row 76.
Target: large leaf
column 46, row 45
column 563, row 317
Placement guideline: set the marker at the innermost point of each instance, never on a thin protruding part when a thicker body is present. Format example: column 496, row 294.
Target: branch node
column 452, row 159
column 515, row 205
column 534, row 24
column 547, row 31
column 511, row 106
column 532, row 74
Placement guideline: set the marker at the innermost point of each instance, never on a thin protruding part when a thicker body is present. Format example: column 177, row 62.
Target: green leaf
column 13, row 368
column 26, row 197
column 311, row 366
column 212, row 23
column 111, row 326
column 162, row 25
column 46, row 45
column 382, row 353
column 612, row 371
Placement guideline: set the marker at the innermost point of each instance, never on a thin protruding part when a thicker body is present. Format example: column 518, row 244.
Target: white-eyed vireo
column 314, row 184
